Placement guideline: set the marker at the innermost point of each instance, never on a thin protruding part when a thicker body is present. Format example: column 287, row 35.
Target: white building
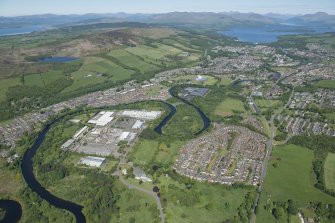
column 92, row 161
column 138, row 124
column 80, row 133
column 142, row 114
column 67, row 144
column 102, row 119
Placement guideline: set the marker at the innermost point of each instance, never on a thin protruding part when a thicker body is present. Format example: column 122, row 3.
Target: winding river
column 28, row 171
column 13, row 211
column 28, row 174
column 206, row 121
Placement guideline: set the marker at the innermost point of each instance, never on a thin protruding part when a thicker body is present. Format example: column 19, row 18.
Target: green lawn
column 329, row 169
column 326, row 84
column 229, row 105
column 292, row 179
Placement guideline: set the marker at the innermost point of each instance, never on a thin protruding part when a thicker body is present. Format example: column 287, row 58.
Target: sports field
column 329, row 169
column 228, row 106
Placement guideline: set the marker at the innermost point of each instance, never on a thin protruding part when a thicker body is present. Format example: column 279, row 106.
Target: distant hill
column 317, row 18
column 220, row 20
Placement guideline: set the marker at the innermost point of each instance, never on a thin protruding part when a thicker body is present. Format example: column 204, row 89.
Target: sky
column 31, row 7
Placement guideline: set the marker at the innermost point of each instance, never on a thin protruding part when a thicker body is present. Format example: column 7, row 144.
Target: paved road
column 269, row 146
column 148, row 192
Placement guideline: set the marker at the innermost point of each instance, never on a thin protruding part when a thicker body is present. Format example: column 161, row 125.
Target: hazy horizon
column 80, row 7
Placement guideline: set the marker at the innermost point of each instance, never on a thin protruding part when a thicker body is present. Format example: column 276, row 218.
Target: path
column 148, row 192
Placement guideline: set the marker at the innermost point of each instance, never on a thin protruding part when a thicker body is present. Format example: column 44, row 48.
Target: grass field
column 329, row 169
column 5, row 84
column 266, row 104
column 146, row 152
column 203, row 203
column 135, row 205
column 130, row 60
column 226, row 81
column 326, row 84
column 282, row 183
column 228, row 106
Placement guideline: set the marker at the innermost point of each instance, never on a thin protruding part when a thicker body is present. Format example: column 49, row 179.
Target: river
column 28, row 175
column 13, row 211
column 28, row 171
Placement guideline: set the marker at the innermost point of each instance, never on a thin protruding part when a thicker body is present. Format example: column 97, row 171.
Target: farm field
column 282, row 184
column 5, row 84
column 131, row 60
column 228, row 106
column 96, row 70
column 329, row 169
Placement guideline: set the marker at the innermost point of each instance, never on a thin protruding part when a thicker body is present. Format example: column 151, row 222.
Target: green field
column 147, row 152
column 329, row 169
column 266, row 104
column 326, row 84
column 293, row 178
column 226, row 81
column 130, row 60
column 5, row 84
column 203, row 203
column 228, row 106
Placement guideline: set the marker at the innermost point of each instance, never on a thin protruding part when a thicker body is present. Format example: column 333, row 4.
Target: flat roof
column 67, row 143
column 80, row 131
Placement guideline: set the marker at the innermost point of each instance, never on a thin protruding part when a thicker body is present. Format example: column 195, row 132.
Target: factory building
column 138, row 124
column 92, row 161
column 102, row 119
column 67, row 144
column 80, row 133
column 142, row 114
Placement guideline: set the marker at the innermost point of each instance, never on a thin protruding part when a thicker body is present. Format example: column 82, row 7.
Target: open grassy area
column 131, row 60
column 226, row 81
column 329, row 169
column 134, row 205
column 291, row 179
column 326, row 84
column 265, row 104
column 5, row 84
column 204, row 202
column 228, row 106
column 147, row 152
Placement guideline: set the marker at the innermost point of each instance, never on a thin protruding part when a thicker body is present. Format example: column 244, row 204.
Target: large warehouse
column 92, row 161
column 102, row 119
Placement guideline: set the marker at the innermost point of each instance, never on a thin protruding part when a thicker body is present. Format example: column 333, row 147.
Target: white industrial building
column 142, row 114
column 93, row 161
column 67, row 144
column 80, row 133
column 102, row 119
column 124, row 135
column 138, row 124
